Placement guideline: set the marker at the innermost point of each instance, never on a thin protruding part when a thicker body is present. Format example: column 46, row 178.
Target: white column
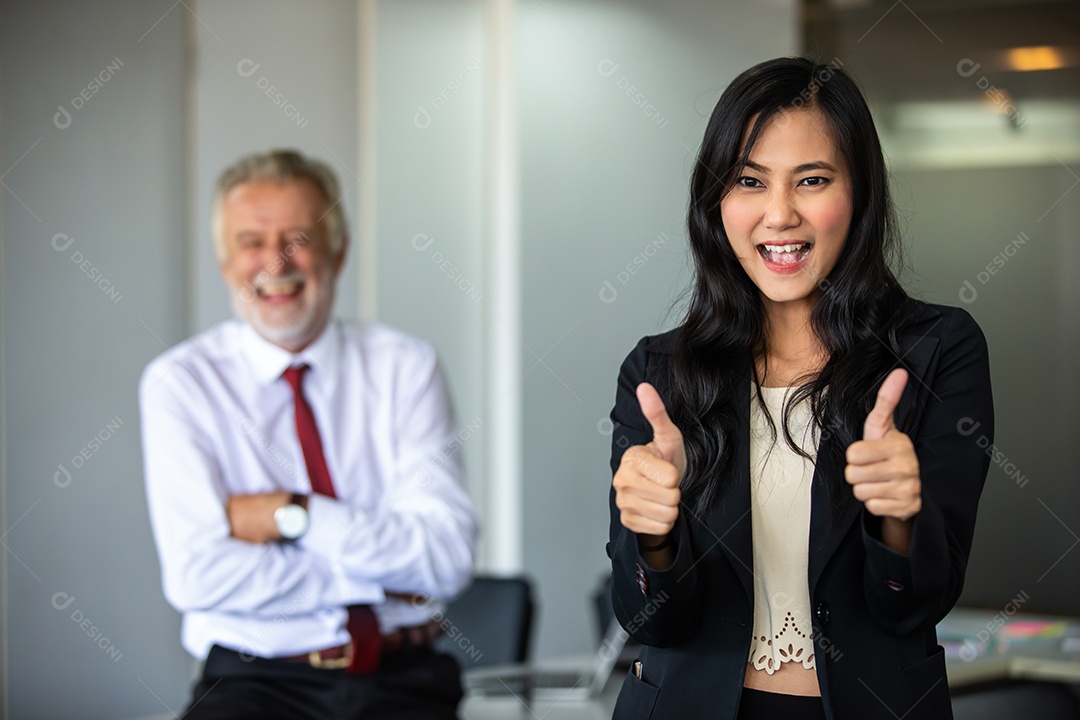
column 505, row 522
column 366, row 232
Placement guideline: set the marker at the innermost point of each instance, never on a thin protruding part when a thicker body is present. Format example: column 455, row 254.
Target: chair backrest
column 603, row 611
column 1045, row 701
column 490, row 623
column 604, row 614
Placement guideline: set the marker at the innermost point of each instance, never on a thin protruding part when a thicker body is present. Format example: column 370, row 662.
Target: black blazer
column 874, row 610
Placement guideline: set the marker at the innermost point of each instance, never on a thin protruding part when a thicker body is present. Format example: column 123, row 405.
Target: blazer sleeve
column 917, row 590
column 655, row 607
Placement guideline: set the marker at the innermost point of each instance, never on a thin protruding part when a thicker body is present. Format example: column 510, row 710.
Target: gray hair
column 279, row 166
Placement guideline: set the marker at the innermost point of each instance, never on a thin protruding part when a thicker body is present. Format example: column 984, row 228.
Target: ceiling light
column 1040, row 57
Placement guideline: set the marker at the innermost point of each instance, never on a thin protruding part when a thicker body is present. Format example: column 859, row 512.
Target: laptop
column 554, row 683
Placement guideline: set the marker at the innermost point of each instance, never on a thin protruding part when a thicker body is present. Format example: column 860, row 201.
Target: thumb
column 666, row 435
column 880, row 419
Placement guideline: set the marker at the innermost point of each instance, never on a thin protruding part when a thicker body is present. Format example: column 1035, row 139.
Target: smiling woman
column 787, row 216
column 804, row 511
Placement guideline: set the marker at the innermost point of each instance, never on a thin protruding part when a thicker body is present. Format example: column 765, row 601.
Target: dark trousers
column 412, row 684
column 761, row 705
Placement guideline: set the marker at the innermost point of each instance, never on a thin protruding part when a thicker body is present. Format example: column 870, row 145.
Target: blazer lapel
column 831, row 518
column 728, row 524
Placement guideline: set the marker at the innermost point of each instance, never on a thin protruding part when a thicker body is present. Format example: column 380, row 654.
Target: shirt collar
column 268, row 361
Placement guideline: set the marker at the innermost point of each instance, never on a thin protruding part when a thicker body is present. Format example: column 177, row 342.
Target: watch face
column 292, row 521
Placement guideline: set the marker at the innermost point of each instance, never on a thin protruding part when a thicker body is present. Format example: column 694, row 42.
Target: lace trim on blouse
column 793, row 643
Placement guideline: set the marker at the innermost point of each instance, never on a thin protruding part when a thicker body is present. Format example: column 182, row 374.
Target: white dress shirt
column 217, row 420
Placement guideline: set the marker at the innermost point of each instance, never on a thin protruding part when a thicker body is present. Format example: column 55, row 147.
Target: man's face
column 279, row 264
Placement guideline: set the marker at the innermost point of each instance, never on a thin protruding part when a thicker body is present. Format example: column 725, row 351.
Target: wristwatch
column 292, row 519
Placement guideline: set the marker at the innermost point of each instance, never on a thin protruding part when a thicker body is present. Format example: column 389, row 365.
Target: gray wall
column 1020, row 221
column 429, row 129
column 86, row 630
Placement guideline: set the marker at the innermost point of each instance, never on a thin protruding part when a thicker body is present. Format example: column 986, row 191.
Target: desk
column 508, row 708
column 1004, row 656
column 512, row 708
column 1030, row 659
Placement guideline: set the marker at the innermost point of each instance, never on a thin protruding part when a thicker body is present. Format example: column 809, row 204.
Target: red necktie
column 363, row 626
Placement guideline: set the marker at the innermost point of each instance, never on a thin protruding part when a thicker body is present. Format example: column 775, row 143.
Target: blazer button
column 642, row 580
column 822, row 612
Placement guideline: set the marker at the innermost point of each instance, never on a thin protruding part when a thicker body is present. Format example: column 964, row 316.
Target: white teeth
column 784, row 248
column 278, row 288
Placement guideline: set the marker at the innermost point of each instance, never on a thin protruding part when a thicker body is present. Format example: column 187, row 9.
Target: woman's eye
column 814, row 181
column 748, row 182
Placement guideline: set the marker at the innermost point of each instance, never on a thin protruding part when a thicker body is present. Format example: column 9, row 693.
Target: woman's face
column 788, row 214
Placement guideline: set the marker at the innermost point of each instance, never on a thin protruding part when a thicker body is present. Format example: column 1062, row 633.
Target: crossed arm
column 219, row 549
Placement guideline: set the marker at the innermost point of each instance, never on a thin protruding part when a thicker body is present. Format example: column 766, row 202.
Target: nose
column 277, row 257
column 780, row 213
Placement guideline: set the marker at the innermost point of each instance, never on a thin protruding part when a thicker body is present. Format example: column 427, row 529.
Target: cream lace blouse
column 780, row 506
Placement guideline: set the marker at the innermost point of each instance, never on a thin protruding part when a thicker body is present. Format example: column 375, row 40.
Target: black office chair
column 604, row 614
column 1045, row 701
column 490, row 624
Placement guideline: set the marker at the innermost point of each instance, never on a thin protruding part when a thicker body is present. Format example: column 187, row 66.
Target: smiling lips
column 785, row 256
column 280, row 289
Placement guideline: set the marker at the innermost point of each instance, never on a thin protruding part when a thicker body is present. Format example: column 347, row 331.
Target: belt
column 341, row 656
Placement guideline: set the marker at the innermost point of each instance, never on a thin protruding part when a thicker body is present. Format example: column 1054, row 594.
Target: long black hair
column 861, row 306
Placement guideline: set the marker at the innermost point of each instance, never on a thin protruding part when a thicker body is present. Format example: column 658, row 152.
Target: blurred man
column 302, row 476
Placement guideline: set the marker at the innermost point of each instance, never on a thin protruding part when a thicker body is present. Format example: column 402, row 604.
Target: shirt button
column 893, row 585
column 642, row 580
column 822, row 612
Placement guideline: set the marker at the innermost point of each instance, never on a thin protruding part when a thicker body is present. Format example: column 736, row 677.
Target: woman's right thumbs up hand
column 647, row 481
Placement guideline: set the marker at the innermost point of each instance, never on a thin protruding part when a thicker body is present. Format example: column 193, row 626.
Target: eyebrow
column 805, row 167
column 302, row 229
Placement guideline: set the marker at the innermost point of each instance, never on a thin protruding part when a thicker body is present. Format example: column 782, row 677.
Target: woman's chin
column 789, row 296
